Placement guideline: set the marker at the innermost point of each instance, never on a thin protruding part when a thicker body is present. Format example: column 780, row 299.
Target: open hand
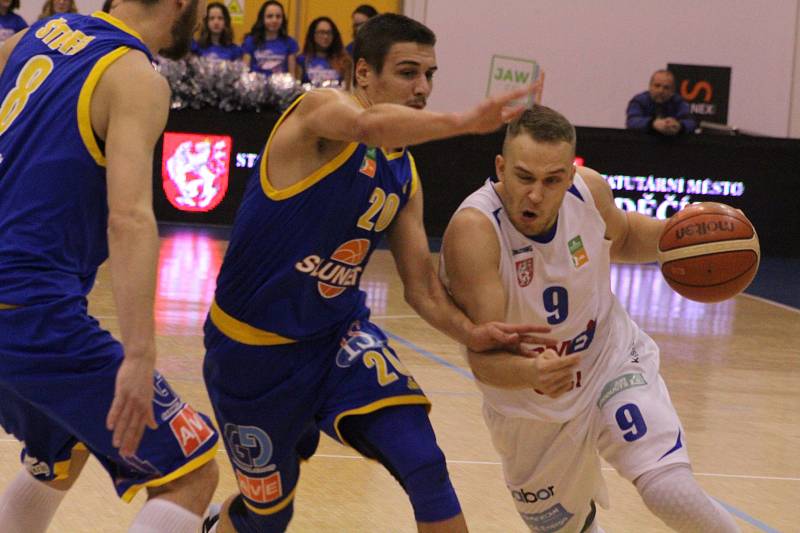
column 497, row 110
column 132, row 408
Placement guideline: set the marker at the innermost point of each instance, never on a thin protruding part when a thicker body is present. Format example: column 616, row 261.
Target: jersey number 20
column 379, row 202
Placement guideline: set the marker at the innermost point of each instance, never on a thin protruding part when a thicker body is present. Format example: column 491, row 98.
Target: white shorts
column 553, row 469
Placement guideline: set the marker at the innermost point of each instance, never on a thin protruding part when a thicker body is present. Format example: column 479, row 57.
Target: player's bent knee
column 402, row 439
column 77, row 460
column 193, row 490
column 431, row 492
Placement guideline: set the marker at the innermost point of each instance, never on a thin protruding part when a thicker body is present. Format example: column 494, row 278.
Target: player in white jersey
column 536, row 247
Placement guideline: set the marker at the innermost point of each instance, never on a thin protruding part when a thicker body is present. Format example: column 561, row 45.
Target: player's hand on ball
column 506, row 337
column 552, row 375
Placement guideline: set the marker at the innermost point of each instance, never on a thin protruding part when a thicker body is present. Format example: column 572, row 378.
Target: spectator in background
column 57, row 7
column 216, row 37
column 360, row 15
column 659, row 108
column 268, row 46
column 10, row 22
column 323, row 58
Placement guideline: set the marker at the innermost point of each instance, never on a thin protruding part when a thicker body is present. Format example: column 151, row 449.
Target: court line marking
column 605, row 468
column 433, row 357
column 497, row 463
column 747, row 518
column 736, row 512
column 773, row 302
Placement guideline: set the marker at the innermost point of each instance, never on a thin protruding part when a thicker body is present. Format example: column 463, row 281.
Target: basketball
column 708, row 252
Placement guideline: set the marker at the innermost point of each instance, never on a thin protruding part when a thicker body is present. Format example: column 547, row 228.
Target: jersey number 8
column 30, row 78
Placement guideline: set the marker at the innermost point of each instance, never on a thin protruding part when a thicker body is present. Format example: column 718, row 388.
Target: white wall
column 794, row 114
column 597, row 54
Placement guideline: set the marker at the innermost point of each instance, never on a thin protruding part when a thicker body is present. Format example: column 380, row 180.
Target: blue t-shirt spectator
column 349, row 48
column 11, row 23
column 317, row 70
column 271, row 57
column 231, row 52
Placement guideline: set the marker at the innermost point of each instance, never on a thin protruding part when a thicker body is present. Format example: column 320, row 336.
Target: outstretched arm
column 472, row 254
column 337, row 116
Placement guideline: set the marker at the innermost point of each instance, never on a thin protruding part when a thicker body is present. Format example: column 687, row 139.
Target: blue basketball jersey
column 53, row 206
column 296, row 255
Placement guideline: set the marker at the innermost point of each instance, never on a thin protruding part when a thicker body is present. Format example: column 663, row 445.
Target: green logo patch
column 615, row 386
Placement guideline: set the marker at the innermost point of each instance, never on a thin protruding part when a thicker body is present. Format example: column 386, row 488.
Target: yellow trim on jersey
column 61, row 468
column 85, row 99
column 390, row 156
column 275, row 508
column 410, row 399
column 191, row 466
column 114, row 21
column 414, row 175
column 243, row 332
column 4, row 307
column 309, row 180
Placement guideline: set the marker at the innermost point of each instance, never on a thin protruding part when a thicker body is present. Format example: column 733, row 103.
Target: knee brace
column 402, row 439
column 673, row 495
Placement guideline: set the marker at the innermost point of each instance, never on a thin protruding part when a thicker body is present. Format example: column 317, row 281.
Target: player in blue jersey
column 81, row 111
column 290, row 348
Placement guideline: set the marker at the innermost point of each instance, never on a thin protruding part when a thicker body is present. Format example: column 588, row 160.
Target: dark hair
column 364, row 9
column 14, row 5
column 259, row 30
column 310, row 46
column 226, row 39
column 379, row 33
column 542, row 124
column 106, row 6
column 336, row 54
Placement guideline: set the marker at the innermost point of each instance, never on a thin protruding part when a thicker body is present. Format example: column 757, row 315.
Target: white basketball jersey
column 561, row 280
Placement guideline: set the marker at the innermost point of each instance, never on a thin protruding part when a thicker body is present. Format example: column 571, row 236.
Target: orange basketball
column 708, row 252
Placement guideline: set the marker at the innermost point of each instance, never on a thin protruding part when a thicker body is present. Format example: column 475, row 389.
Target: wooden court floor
column 733, row 370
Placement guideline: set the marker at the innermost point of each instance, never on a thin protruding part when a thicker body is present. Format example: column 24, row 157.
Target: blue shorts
column 271, row 401
column 57, row 376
